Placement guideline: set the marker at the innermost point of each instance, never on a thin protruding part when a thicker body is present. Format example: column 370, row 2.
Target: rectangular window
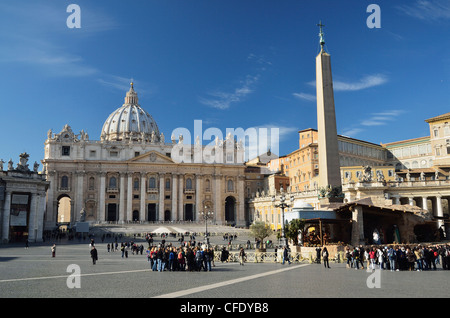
column 113, row 154
column 65, row 150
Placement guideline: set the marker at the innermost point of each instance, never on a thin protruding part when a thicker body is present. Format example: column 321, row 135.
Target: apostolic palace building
column 133, row 174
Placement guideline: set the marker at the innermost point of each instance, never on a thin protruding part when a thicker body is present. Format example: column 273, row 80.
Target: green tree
column 260, row 230
column 291, row 229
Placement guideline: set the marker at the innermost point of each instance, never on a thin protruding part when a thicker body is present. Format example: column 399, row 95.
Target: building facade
column 132, row 174
column 22, row 201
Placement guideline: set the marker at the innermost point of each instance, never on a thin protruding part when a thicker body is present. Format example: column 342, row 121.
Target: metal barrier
column 260, row 257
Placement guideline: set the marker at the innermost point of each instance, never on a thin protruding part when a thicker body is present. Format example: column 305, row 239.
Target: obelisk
column 329, row 167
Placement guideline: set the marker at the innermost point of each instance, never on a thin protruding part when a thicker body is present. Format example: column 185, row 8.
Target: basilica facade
column 132, row 174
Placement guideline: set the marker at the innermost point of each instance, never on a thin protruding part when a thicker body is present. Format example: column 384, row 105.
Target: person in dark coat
column 325, row 256
column 94, row 255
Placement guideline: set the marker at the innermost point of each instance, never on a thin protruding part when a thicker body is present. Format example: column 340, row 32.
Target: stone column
column 142, row 197
column 439, row 211
column 424, row 203
column 241, row 206
column 78, row 195
column 357, row 226
column 50, row 214
column 217, row 199
column 174, row 197
column 40, row 216
column 180, row 198
column 33, row 218
column 198, row 203
column 122, row 197
column 161, row 197
column 6, row 216
column 129, row 211
column 101, row 205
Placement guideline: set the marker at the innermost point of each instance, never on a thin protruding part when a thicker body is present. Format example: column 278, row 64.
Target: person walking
column 325, row 256
column 392, row 256
column 53, row 249
column 286, row 255
column 241, row 256
column 372, row 257
column 94, row 255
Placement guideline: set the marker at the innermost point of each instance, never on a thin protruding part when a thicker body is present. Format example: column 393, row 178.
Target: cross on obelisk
column 322, row 39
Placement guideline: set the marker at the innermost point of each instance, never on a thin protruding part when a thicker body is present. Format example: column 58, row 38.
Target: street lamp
column 207, row 215
column 282, row 205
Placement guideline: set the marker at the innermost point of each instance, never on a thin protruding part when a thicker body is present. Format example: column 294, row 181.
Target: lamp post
column 207, row 215
column 283, row 205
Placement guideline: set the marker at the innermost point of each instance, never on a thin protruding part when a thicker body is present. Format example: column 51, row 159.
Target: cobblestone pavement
column 33, row 273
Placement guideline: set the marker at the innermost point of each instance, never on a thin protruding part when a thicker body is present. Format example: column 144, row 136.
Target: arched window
column 152, row 183
column 112, row 183
column 207, row 185
column 65, row 182
column 188, row 183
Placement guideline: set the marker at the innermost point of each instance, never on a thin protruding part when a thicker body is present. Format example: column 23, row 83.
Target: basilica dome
column 130, row 122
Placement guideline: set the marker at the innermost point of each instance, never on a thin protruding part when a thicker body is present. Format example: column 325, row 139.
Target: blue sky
column 229, row 63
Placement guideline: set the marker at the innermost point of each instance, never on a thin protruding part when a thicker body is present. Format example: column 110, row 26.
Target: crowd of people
column 166, row 257
column 184, row 258
column 399, row 257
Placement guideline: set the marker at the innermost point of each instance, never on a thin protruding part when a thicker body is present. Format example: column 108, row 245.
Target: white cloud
column 352, row 132
column 428, row 10
column 223, row 100
column 375, row 119
column 382, row 118
column 365, row 82
column 305, row 96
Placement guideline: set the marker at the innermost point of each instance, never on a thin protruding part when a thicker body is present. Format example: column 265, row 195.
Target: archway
column 230, row 210
column 64, row 215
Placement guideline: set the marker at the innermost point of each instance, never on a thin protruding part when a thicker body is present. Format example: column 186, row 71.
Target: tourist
column 380, row 257
column 190, row 259
column 171, row 260
column 372, row 258
column 224, row 255
column 419, row 255
column 207, row 259
column 242, row 257
column 410, row 259
column 366, row 256
column 325, row 256
column 199, row 255
column 355, row 257
column 94, row 255
column 53, row 249
column 392, row 256
column 361, row 256
column 181, row 260
column 318, row 252
column 348, row 256
column 286, row 255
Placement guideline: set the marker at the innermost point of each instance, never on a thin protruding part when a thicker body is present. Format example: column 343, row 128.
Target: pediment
column 152, row 157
